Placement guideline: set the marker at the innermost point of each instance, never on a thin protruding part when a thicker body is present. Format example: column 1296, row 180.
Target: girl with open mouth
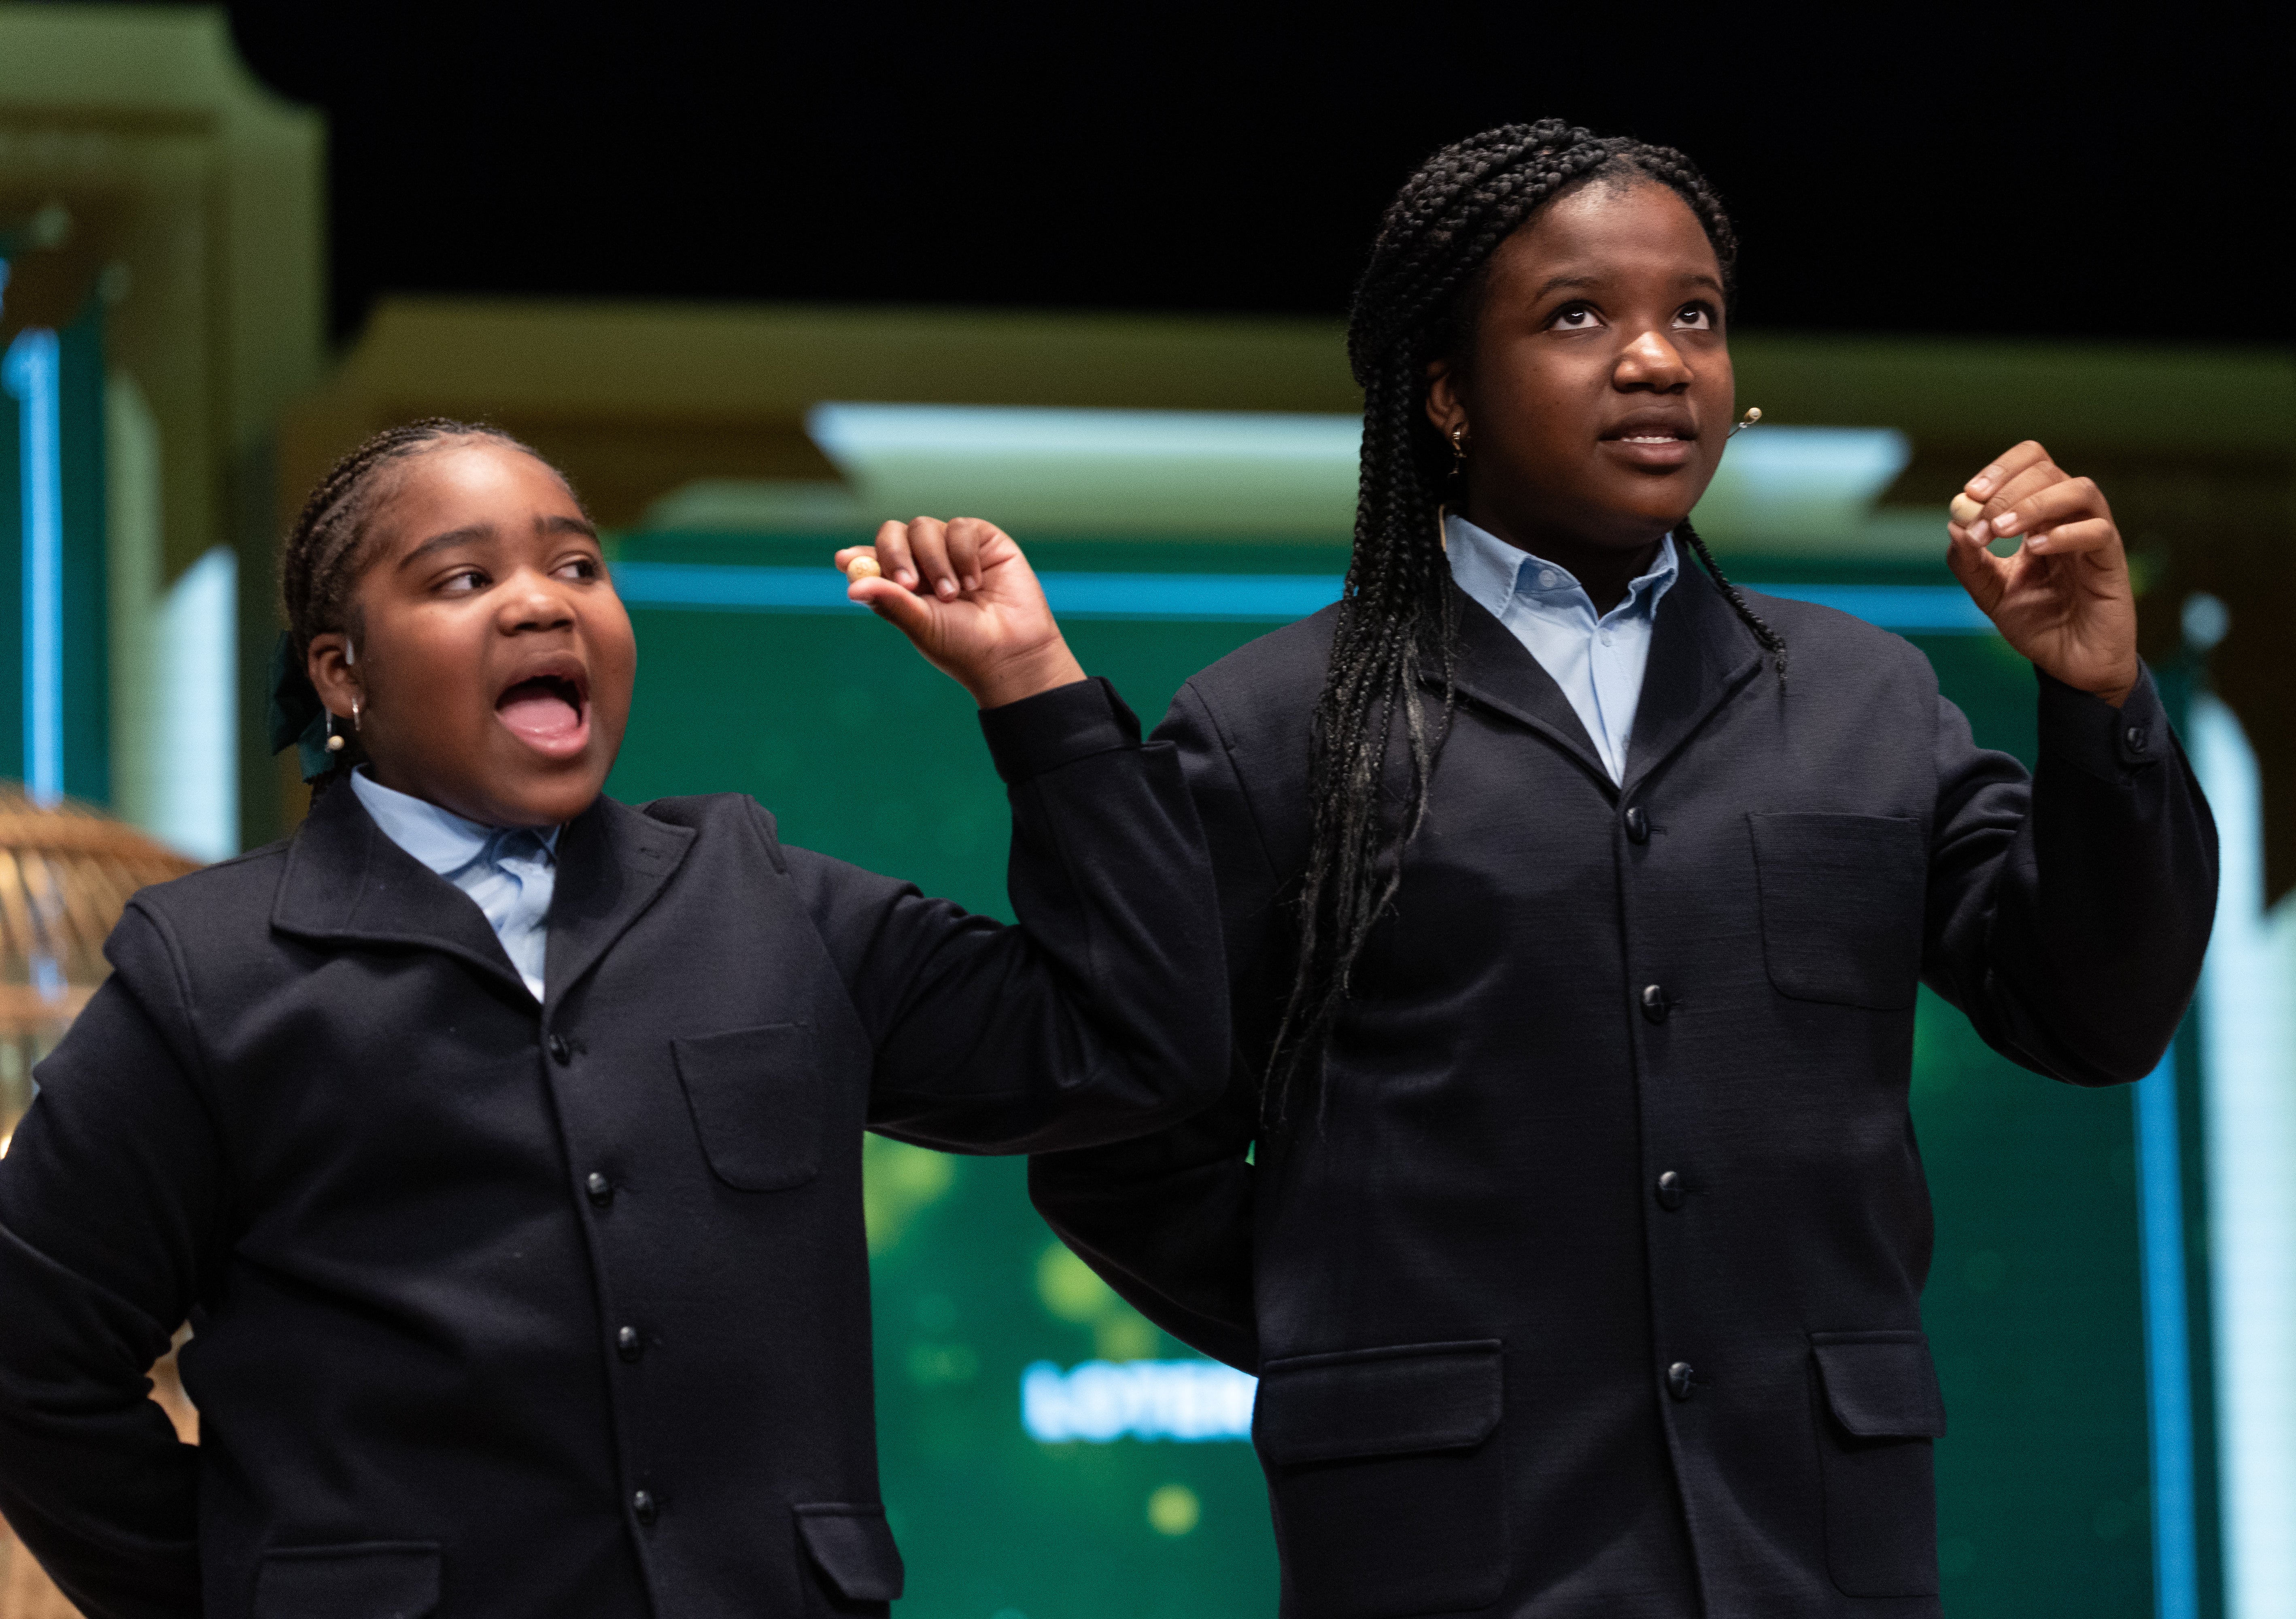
column 502, row 1143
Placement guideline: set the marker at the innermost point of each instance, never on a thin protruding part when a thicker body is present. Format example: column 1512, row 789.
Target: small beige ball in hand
column 863, row 566
column 1966, row 511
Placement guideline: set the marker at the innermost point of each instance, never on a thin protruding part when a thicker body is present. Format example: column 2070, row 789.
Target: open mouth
column 549, row 713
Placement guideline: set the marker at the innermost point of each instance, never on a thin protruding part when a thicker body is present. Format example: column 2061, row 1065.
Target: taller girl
column 1565, row 1198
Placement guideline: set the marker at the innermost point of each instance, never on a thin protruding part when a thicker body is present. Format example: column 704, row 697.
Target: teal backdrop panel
column 86, row 614
column 11, row 586
column 865, row 752
column 85, row 619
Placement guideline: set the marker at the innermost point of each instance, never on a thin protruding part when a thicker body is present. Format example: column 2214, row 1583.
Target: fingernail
column 1981, row 532
column 947, row 587
column 2006, row 523
column 907, row 576
column 1982, row 484
column 2037, row 542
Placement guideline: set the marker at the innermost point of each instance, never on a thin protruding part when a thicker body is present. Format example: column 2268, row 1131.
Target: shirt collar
column 1495, row 572
column 439, row 838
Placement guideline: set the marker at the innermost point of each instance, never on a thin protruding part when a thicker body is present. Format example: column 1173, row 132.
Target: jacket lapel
column 1700, row 652
column 1498, row 671
column 612, row 863
column 346, row 882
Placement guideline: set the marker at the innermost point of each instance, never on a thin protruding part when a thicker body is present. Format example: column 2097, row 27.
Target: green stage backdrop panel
column 866, row 753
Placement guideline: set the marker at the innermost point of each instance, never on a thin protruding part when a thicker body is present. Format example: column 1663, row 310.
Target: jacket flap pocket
column 757, row 1104
column 853, row 1546
column 1398, row 1402
column 1880, row 1384
column 373, row 1580
column 1842, row 900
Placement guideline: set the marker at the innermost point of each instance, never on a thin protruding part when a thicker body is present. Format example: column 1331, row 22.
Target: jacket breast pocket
column 1842, row 897
column 1385, row 1470
column 1879, row 1414
column 760, row 1103
column 846, row 1560
column 373, row 1580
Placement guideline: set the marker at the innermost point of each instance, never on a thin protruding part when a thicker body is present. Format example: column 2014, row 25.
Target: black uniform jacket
column 529, row 1311
column 1590, row 1285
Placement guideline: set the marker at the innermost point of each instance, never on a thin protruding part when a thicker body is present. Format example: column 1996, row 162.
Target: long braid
column 1418, row 301
column 1771, row 641
column 319, row 564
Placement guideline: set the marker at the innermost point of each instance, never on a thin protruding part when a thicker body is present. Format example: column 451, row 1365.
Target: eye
column 464, row 581
column 1694, row 317
column 1574, row 318
column 579, row 567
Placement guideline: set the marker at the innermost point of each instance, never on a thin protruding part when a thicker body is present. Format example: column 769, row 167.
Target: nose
column 1650, row 363
column 535, row 602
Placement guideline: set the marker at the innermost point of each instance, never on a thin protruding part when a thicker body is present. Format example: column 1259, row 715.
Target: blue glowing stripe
column 1263, row 598
column 2167, row 1351
column 1278, row 597
column 1274, row 597
column 1908, row 609
column 30, row 372
column 708, row 586
column 1102, row 1402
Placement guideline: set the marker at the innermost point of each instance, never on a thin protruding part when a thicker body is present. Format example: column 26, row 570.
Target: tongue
column 538, row 709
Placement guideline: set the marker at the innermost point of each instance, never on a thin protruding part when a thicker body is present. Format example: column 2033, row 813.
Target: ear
column 1447, row 405
column 332, row 674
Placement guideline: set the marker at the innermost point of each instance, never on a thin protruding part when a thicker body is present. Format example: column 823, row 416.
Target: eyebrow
column 472, row 533
column 464, row 535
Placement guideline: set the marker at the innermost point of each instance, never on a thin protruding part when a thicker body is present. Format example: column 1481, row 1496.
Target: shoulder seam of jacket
column 1235, row 774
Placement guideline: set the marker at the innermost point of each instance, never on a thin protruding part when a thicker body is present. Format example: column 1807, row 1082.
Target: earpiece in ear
column 334, row 745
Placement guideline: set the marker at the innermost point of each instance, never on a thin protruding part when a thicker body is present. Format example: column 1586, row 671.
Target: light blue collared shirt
column 510, row 871
column 1598, row 659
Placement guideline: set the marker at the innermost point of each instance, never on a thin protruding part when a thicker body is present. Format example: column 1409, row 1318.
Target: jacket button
column 601, row 1190
column 628, row 1344
column 643, row 1504
column 1655, row 1005
column 559, row 1051
column 1638, row 825
column 2135, row 738
column 1669, row 1190
column 1678, row 1379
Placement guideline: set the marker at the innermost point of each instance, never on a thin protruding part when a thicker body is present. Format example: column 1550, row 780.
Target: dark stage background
column 2075, row 173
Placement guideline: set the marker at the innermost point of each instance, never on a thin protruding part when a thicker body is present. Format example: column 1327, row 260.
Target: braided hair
column 1419, row 301
column 321, row 561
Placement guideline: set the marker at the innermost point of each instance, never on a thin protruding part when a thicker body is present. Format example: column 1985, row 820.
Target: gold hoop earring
column 334, row 742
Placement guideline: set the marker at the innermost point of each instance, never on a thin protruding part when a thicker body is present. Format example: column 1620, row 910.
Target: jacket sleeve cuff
column 1057, row 728
column 2087, row 732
